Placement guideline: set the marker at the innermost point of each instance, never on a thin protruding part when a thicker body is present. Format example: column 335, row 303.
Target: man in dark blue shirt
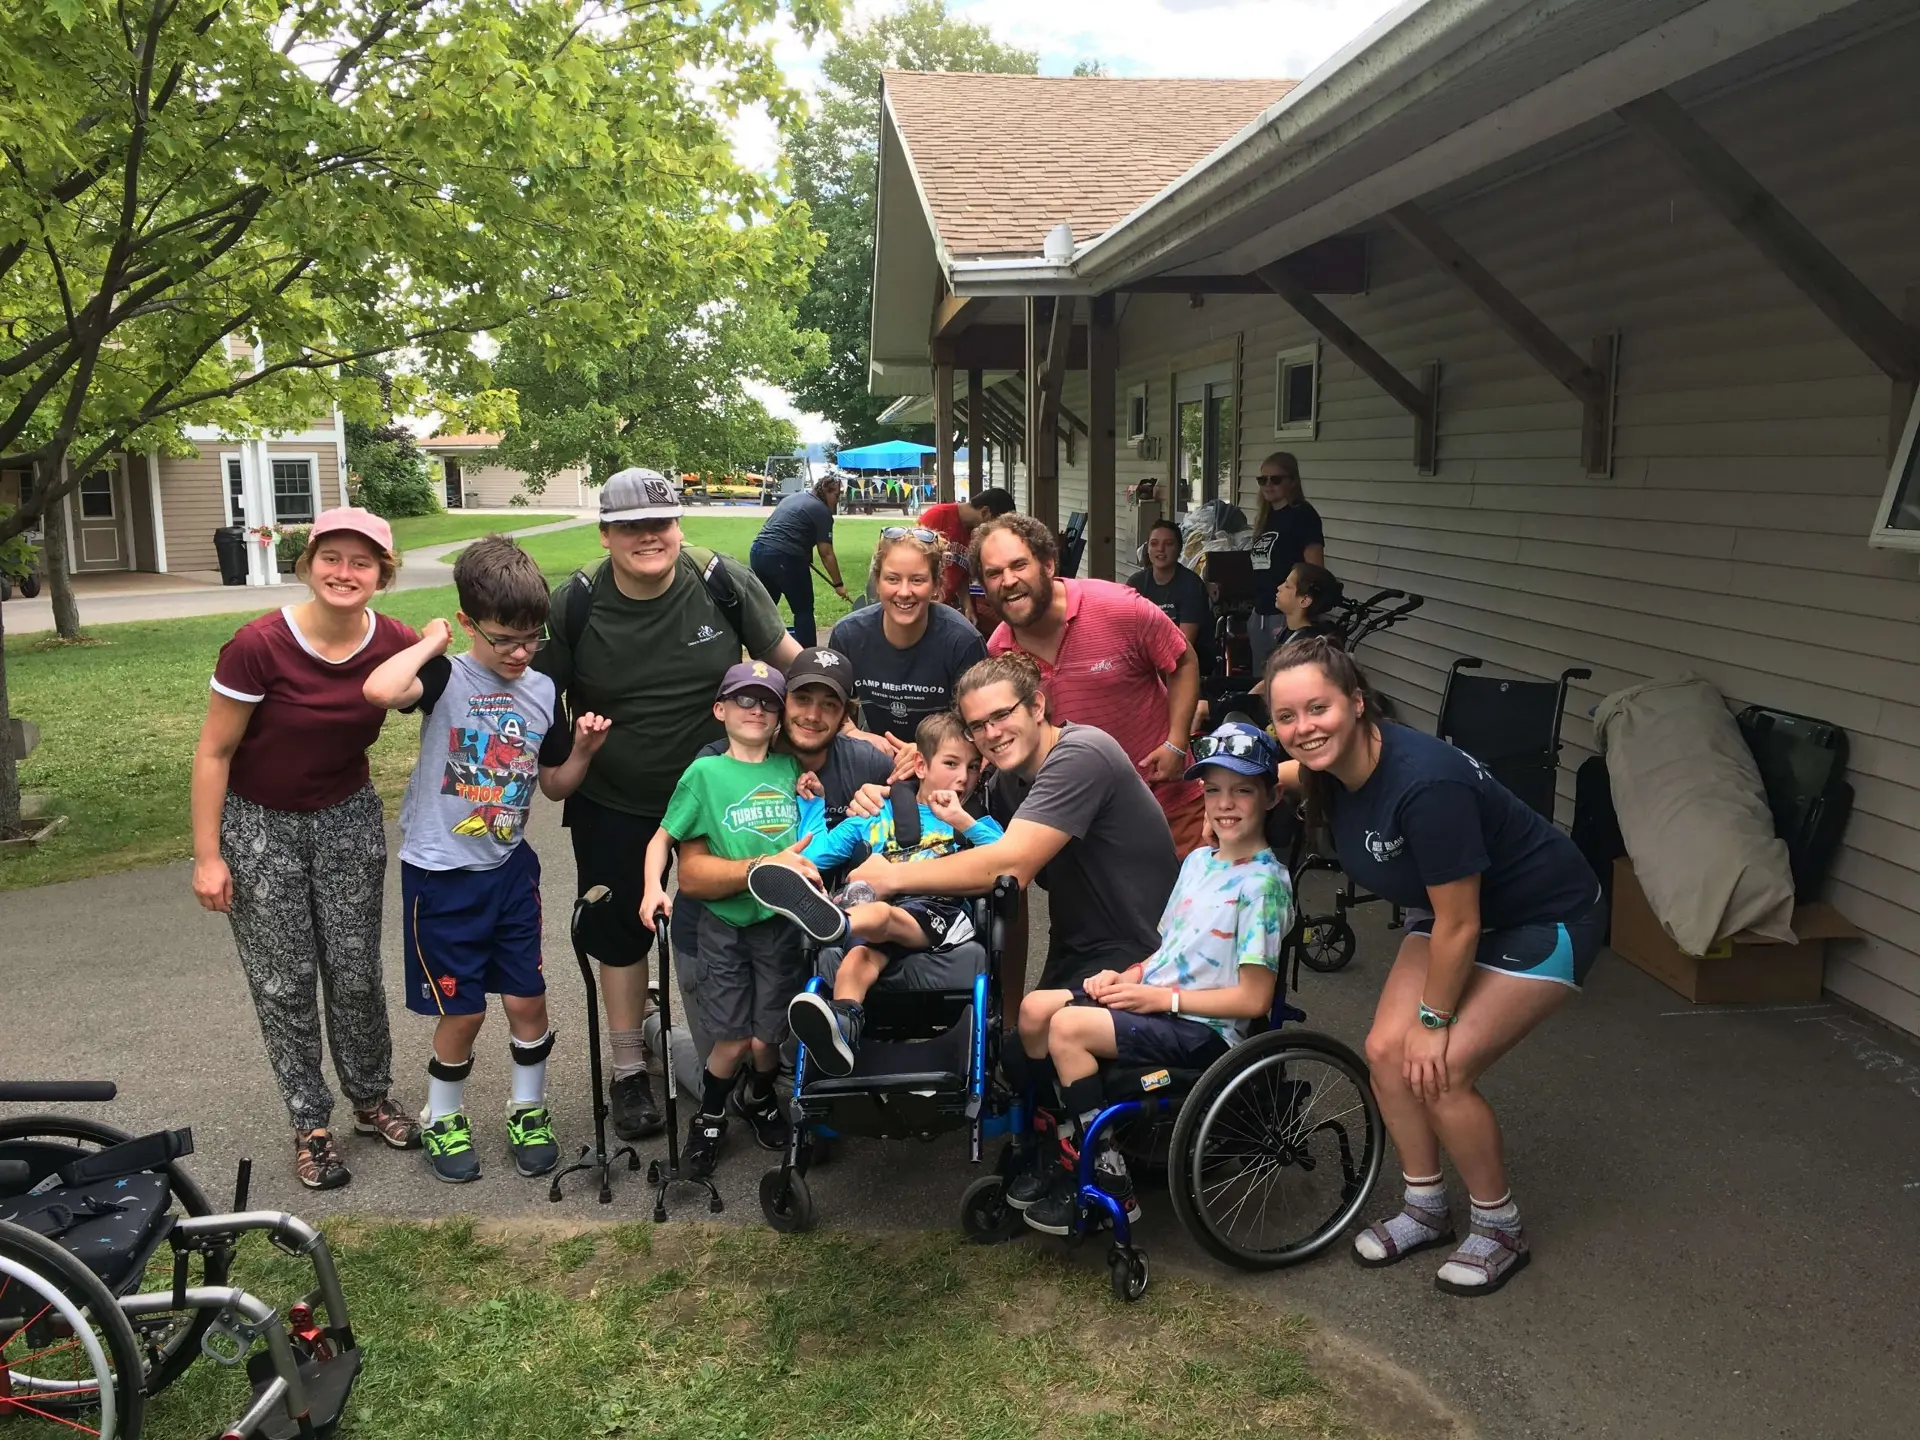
column 781, row 556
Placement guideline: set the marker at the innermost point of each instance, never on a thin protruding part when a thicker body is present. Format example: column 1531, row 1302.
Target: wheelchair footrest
column 329, row 1384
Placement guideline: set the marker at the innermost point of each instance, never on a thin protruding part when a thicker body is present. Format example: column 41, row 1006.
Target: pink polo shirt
column 1115, row 654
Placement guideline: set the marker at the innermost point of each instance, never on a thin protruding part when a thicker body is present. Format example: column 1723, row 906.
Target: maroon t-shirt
column 306, row 746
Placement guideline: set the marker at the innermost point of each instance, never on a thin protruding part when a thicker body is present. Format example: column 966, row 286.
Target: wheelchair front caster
column 786, row 1201
column 985, row 1216
column 1326, row 943
column 1127, row 1268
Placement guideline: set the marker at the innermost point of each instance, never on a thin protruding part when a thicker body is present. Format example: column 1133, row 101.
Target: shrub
column 291, row 545
column 390, row 474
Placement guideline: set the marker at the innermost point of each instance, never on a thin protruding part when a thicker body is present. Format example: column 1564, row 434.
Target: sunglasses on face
column 1240, row 747
column 507, row 644
column 902, row 532
column 753, row 700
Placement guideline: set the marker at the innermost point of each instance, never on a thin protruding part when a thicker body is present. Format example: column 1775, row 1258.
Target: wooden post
column 976, row 432
column 1102, row 472
column 943, row 419
column 1043, row 439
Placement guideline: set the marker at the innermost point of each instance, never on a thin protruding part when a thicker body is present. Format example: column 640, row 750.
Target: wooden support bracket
column 1861, row 315
column 950, row 312
column 1587, row 384
column 1420, row 401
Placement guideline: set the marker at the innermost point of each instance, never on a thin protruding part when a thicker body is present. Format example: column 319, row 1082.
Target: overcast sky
column 1250, row 38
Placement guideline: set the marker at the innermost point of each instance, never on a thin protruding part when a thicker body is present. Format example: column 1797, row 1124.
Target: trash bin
column 230, row 544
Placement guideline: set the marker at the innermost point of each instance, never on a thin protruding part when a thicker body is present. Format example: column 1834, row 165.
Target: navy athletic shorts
column 471, row 934
column 1173, row 1040
column 1559, row 951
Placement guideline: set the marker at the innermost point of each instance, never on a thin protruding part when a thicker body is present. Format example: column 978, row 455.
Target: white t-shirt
column 1222, row 915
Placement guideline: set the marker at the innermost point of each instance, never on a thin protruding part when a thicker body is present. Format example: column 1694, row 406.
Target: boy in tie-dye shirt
column 1184, row 1005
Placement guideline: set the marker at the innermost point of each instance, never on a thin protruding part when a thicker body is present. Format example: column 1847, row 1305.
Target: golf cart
column 785, row 475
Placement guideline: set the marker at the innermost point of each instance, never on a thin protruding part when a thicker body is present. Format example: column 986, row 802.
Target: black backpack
column 576, row 600
column 904, row 800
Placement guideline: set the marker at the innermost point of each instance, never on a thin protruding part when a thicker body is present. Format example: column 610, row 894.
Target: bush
column 291, row 545
column 390, row 474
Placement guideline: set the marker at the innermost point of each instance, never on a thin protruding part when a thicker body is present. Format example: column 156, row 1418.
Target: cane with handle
column 595, row 1156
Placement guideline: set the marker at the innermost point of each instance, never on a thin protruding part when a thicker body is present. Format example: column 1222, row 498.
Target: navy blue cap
column 1238, row 747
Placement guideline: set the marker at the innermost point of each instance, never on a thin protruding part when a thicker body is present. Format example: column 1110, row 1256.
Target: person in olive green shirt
column 644, row 643
column 743, row 804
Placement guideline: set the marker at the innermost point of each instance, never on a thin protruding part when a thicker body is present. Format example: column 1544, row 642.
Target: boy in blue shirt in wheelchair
column 876, row 932
column 1189, row 1001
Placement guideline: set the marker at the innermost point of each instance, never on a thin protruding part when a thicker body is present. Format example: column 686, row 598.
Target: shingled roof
column 1002, row 159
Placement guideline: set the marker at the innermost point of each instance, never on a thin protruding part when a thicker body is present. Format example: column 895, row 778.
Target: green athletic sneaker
column 530, row 1138
column 449, row 1145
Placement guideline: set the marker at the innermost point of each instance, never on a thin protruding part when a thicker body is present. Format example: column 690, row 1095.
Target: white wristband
column 1176, row 1002
column 1179, row 750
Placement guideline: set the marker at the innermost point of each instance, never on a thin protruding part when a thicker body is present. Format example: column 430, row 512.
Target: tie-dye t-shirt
column 1222, row 914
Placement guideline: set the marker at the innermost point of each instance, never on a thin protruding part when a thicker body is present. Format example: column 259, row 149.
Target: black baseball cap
column 817, row 665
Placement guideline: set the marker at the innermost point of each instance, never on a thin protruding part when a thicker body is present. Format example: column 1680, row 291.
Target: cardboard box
column 1745, row 967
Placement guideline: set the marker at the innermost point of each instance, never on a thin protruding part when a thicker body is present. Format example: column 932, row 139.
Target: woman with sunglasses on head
column 782, row 553
column 1286, row 530
column 1504, row 921
column 288, row 838
column 908, row 650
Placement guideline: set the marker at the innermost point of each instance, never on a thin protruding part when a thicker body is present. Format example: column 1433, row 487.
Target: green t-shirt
column 742, row 811
column 652, row 667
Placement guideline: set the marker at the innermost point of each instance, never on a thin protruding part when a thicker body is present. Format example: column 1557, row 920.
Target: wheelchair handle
column 57, row 1091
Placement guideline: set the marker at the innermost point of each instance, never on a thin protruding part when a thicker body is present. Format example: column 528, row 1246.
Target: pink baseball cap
column 359, row 522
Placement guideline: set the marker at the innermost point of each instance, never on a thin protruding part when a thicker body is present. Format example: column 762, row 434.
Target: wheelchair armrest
column 54, row 1092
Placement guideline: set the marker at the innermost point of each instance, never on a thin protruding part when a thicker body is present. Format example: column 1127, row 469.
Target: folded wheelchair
column 114, row 1279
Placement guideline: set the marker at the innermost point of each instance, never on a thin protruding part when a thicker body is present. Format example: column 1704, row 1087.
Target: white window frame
column 1308, row 428
column 231, row 469
column 113, row 498
column 1889, row 537
column 312, row 461
column 1139, row 414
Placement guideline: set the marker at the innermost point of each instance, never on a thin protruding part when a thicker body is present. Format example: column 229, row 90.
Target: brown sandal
column 389, row 1123
column 316, row 1161
column 1395, row 1254
column 1508, row 1260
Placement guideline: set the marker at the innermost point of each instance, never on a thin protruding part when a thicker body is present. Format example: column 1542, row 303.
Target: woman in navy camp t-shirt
column 1504, row 921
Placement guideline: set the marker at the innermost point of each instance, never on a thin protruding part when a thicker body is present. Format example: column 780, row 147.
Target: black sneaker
column 786, row 890
column 635, row 1116
column 703, row 1145
column 830, row 1029
column 765, row 1114
column 1053, row 1213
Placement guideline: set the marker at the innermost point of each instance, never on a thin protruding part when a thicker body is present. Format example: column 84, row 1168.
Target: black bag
column 1596, row 828
column 1802, row 763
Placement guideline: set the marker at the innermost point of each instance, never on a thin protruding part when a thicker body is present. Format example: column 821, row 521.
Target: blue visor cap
column 1236, row 747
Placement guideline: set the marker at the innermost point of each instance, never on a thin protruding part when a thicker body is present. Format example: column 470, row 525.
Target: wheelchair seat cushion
column 942, row 970
column 110, row 1226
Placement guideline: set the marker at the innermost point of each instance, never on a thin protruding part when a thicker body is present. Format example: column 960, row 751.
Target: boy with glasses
column 491, row 727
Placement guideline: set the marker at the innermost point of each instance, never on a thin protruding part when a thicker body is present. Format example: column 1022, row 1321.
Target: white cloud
column 814, row 429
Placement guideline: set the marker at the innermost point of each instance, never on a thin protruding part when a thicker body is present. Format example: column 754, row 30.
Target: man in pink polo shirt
column 1108, row 657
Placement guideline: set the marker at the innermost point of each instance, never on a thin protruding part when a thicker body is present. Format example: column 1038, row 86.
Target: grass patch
column 119, row 714
column 450, row 525
column 717, row 1333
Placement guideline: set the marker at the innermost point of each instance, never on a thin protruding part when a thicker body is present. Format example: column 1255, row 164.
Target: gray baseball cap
column 639, row 494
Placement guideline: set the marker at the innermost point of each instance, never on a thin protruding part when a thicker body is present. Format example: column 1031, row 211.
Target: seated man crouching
column 1189, row 1001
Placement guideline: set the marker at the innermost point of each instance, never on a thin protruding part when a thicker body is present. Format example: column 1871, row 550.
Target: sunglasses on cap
column 1239, row 746
column 917, row 532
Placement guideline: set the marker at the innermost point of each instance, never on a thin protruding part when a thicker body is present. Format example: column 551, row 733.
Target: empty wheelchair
column 926, row 1063
column 1510, row 725
column 114, row 1279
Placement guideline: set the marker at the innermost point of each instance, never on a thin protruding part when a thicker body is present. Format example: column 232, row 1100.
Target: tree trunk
column 66, row 610
column 9, row 762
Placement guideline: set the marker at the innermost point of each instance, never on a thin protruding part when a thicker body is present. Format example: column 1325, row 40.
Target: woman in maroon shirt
column 288, row 839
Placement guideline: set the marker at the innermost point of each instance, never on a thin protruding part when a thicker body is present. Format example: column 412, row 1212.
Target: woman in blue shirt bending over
column 1504, row 920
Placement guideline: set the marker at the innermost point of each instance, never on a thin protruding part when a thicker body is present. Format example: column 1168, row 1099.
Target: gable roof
column 1002, row 159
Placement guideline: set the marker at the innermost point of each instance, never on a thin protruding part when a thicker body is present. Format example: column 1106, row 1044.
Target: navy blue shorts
column 1558, row 951
column 1160, row 1039
column 471, row 934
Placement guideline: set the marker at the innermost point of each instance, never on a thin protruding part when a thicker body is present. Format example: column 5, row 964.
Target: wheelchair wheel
column 985, row 1216
column 787, row 1202
column 1276, row 1149
column 169, row 1341
column 1326, row 943
column 67, row 1354
column 1127, row 1271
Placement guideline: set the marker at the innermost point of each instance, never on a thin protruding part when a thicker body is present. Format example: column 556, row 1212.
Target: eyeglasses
column 901, row 532
column 1239, row 746
column 754, row 700
column 507, row 644
column 975, row 729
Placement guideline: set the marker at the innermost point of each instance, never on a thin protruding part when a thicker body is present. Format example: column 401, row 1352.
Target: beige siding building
column 466, row 483
column 1751, row 424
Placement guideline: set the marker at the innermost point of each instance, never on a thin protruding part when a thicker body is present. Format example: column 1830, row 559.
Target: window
column 293, row 492
column 1137, row 414
column 236, row 492
column 1296, row 393
column 1899, row 524
column 96, row 496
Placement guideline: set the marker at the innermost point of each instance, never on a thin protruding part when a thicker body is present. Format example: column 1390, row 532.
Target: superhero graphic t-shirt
column 483, row 740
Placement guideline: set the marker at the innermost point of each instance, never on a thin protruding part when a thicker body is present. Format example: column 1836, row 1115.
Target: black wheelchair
column 114, row 1279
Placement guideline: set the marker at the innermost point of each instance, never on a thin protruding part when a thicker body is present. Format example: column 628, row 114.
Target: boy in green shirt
column 742, row 804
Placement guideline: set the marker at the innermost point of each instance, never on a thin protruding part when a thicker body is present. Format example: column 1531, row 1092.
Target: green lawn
column 451, row 525
column 694, row 1332
column 145, row 686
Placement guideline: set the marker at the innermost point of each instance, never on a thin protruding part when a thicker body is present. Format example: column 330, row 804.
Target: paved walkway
column 1723, row 1200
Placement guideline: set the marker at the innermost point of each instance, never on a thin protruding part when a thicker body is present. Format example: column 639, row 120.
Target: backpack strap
column 576, row 600
column 576, row 603
column 720, row 586
column 904, row 800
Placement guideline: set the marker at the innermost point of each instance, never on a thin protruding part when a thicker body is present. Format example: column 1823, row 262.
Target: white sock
column 1501, row 1214
column 530, row 1080
column 629, row 1053
column 446, row 1097
column 1426, row 1195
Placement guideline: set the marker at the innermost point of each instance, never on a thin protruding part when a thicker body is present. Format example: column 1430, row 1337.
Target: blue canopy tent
column 886, row 455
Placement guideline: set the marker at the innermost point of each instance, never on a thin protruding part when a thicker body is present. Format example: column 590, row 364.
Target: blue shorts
column 1172, row 1040
column 1558, row 951
column 471, row 934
